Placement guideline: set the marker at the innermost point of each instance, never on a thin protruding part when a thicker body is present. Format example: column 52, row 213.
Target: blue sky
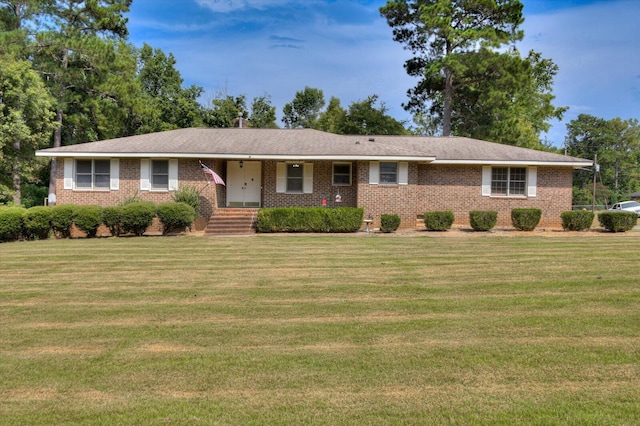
column 344, row 48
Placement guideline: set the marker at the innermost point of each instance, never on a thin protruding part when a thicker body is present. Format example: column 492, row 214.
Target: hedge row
column 39, row 222
column 528, row 219
column 310, row 219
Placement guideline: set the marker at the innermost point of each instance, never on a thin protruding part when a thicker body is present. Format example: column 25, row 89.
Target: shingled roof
column 308, row 144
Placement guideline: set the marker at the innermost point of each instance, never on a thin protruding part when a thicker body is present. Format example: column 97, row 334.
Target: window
column 508, row 181
column 93, row 174
column 160, row 174
column 388, row 173
column 294, row 177
column 341, row 174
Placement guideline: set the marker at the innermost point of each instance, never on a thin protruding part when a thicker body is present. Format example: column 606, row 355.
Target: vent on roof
column 357, row 142
column 372, row 139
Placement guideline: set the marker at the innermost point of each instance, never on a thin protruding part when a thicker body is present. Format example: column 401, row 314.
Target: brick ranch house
column 404, row 175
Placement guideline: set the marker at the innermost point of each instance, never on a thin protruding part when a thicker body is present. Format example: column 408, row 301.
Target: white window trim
column 307, row 178
column 145, row 175
column 402, row 176
column 333, row 173
column 530, row 185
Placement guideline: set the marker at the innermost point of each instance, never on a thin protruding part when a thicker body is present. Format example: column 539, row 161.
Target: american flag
column 207, row 171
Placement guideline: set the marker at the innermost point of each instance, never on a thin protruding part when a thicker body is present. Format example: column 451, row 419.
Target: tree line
column 69, row 75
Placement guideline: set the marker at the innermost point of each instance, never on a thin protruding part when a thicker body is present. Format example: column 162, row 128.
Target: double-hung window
column 508, row 181
column 341, row 174
column 160, row 174
column 294, row 178
column 93, row 174
column 388, row 173
column 505, row 181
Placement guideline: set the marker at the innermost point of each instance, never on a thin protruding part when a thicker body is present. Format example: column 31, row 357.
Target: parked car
column 627, row 206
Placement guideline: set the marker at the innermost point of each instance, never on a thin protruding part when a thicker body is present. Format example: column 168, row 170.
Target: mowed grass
column 333, row 329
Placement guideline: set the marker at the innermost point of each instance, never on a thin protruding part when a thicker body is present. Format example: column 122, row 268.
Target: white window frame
column 530, row 182
column 146, row 175
column 334, row 174
column 155, row 175
column 282, row 177
column 71, row 174
column 402, row 173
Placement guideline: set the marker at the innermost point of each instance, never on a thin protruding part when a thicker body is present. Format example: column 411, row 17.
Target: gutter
column 70, row 154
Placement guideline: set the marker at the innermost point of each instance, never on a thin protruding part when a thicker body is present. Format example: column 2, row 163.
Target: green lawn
column 336, row 329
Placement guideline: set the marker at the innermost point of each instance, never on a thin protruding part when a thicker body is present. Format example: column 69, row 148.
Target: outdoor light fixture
column 241, row 163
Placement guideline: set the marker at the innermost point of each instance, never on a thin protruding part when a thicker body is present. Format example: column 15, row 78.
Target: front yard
column 322, row 329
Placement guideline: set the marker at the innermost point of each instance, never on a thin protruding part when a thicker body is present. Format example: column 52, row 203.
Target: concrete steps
column 232, row 221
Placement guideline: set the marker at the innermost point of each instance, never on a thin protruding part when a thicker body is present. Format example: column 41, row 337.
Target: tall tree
column 440, row 33
column 507, row 98
column 616, row 143
column 74, row 52
column 332, row 120
column 364, row 118
column 225, row 110
column 304, row 110
column 170, row 106
column 25, row 101
column 15, row 17
column 26, row 123
column 263, row 114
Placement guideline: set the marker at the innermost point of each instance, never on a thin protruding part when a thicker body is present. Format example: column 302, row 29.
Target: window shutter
column 486, row 181
column 114, row 182
column 145, row 177
column 68, row 173
column 173, row 175
column 403, row 173
column 281, row 177
column 307, row 183
column 532, row 181
column 374, row 172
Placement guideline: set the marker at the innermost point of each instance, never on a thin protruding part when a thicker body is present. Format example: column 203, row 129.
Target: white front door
column 244, row 183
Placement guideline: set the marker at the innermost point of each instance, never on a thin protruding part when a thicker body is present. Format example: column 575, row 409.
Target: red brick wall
column 189, row 173
column 431, row 187
column 459, row 188
column 322, row 188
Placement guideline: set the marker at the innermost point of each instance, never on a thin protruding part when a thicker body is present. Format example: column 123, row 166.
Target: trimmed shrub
column 188, row 194
column 37, row 222
column 577, row 220
column 342, row 219
column 310, row 219
column 483, row 220
column 439, row 220
column 389, row 222
column 62, row 219
column 88, row 219
column 11, row 223
column 112, row 219
column 525, row 219
column 617, row 221
column 176, row 216
column 137, row 216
